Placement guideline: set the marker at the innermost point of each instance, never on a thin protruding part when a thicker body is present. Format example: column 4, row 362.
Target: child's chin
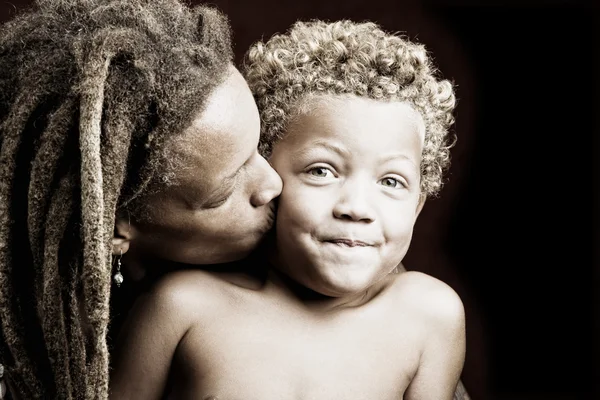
column 344, row 288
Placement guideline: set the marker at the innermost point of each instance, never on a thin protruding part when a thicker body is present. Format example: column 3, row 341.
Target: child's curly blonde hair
column 345, row 57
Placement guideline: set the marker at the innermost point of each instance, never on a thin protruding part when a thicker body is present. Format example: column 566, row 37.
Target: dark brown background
column 510, row 231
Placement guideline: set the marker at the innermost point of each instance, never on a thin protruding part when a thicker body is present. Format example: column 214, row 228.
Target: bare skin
column 329, row 319
column 351, row 351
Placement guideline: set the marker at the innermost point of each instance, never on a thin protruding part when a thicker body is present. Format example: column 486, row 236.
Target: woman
column 125, row 130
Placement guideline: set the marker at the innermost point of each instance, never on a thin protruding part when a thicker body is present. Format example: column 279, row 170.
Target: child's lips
column 350, row 242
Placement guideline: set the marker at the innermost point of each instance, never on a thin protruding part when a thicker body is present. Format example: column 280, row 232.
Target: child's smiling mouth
column 349, row 242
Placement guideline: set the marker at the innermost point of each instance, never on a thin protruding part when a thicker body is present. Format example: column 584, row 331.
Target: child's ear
column 421, row 203
column 122, row 236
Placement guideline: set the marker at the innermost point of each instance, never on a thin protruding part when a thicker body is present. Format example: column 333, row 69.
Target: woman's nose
column 268, row 186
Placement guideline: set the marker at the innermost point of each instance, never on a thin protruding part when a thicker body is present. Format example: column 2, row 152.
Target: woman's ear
column 122, row 236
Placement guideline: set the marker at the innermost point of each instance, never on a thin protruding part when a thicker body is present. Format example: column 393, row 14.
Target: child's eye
column 320, row 172
column 391, row 183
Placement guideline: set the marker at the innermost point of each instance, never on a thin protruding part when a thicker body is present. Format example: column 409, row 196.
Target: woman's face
column 221, row 204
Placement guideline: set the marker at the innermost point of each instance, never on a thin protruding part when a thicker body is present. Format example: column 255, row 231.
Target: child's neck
column 317, row 302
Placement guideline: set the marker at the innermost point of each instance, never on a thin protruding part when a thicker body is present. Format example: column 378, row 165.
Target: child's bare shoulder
column 428, row 298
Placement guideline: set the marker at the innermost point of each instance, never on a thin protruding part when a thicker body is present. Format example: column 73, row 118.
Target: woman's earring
column 117, row 277
column 2, row 384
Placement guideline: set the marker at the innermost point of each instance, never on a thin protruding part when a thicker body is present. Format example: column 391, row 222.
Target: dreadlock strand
column 77, row 350
column 53, row 321
column 108, row 45
column 95, row 276
column 121, row 120
column 43, row 169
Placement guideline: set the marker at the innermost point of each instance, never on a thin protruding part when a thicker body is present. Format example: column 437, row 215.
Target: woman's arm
column 461, row 392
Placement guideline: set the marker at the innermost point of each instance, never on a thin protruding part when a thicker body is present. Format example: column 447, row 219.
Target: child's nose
column 353, row 204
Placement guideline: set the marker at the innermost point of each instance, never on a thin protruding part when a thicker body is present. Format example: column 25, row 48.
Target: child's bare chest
column 278, row 355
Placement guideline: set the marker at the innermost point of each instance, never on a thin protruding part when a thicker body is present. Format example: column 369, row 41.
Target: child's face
column 351, row 192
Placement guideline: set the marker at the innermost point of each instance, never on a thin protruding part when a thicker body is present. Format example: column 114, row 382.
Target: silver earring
column 117, row 277
column 2, row 384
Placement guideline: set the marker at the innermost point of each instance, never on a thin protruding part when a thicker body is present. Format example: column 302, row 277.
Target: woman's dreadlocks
column 90, row 91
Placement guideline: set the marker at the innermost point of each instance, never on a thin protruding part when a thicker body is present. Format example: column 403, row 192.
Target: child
column 356, row 124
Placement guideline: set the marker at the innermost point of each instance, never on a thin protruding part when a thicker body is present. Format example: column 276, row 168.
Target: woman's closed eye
column 220, row 197
column 216, row 203
column 223, row 193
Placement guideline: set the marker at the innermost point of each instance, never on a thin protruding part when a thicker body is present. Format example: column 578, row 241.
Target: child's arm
column 443, row 355
column 147, row 343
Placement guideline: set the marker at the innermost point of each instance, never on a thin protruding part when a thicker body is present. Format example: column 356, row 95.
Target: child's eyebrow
column 328, row 145
column 398, row 156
